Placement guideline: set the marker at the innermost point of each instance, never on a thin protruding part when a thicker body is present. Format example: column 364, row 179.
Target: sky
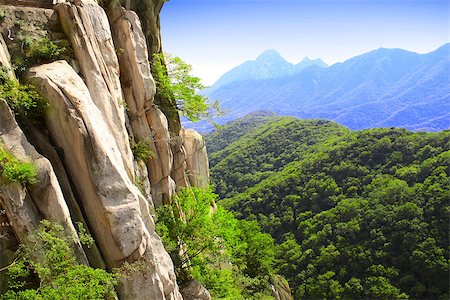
column 216, row 35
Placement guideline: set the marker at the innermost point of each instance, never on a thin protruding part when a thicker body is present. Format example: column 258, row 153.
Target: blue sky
column 216, row 35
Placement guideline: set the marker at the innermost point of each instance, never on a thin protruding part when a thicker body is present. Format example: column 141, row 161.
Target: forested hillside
column 226, row 135
column 355, row 214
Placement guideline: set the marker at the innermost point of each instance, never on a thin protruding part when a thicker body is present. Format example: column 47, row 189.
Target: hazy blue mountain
column 307, row 62
column 381, row 88
column 268, row 65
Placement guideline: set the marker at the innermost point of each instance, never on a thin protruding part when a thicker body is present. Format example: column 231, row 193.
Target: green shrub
column 230, row 257
column 36, row 51
column 60, row 276
column 15, row 170
column 24, row 100
column 141, row 150
column 85, row 238
column 42, row 50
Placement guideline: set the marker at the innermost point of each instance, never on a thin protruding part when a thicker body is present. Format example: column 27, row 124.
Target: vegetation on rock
column 174, row 81
column 233, row 259
column 355, row 215
column 141, row 150
column 49, row 260
column 23, row 99
column 15, row 170
column 36, row 51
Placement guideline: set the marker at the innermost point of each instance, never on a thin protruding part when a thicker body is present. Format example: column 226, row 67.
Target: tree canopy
column 360, row 215
column 174, row 81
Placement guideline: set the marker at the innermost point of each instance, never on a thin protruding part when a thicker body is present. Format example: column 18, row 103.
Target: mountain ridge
column 380, row 88
column 269, row 64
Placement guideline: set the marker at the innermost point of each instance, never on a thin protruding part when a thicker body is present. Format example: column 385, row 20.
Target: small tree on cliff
column 174, row 81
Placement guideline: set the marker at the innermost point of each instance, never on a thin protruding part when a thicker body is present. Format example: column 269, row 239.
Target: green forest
column 354, row 214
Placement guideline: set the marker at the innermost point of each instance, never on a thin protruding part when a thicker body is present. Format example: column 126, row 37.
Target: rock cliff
column 101, row 100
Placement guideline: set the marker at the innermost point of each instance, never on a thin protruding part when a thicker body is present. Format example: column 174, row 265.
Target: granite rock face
column 86, row 25
column 148, row 13
column 101, row 103
column 148, row 123
column 93, row 160
column 196, row 158
column 26, row 205
column 115, row 209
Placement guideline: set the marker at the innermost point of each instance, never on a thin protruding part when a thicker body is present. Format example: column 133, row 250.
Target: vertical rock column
column 148, row 12
column 93, row 161
column 149, row 124
column 115, row 209
column 196, row 158
column 25, row 206
column 86, row 25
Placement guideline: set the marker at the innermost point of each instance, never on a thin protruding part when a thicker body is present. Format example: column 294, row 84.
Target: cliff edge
column 101, row 103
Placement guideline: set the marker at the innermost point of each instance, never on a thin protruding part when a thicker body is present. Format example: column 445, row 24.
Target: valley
column 354, row 214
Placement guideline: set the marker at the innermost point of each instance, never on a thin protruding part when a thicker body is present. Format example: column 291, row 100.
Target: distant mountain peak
column 308, row 62
column 269, row 64
column 272, row 59
column 269, row 54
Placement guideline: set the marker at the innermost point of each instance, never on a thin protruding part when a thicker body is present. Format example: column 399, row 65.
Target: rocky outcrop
column 86, row 25
column 280, row 288
column 195, row 290
column 115, row 209
column 26, row 206
column 93, row 161
column 92, row 177
column 196, row 158
column 42, row 142
column 21, row 24
column 149, row 124
column 148, row 12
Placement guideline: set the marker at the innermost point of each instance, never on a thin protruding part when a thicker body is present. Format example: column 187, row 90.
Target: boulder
column 194, row 290
column 197, row 166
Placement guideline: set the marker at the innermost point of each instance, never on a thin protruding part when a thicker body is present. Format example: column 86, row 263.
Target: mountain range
column 381, row 88
column 270, row 64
